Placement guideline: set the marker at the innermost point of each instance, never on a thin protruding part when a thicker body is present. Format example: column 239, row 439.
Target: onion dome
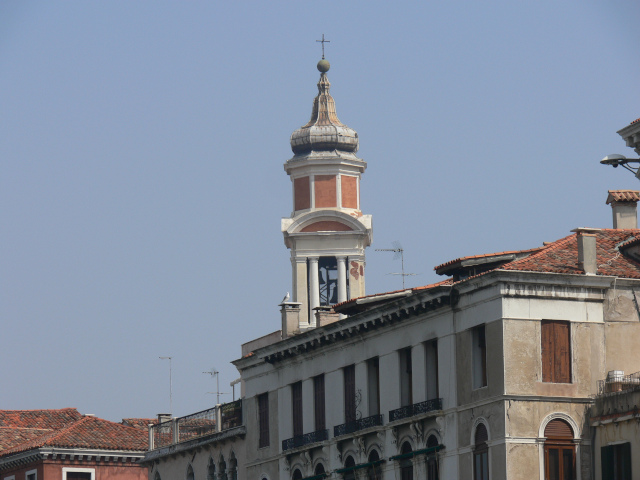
column 324, row 131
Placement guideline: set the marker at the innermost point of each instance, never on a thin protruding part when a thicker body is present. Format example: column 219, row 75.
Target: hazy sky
column 142, row 144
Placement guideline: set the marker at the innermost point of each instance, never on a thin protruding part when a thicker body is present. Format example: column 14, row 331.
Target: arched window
column 157, row 476
column 222, row 469
column 349, row 463
column 432, row 459
column 211, row 470
column 374, row 472
column 297, row 474
column 190, row 475
column 319, row 469
column 233, row 467
column 481, row 453
column 406, row 464
column 559, row 450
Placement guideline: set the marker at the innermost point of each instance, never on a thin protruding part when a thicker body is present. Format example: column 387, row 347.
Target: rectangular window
column 373, row 385
column 406, row 373
column 481, row 465
column 263, row 420
column 431, row 357
column 556, row 351
column 296, row 403
column 479, row 353
column 616, row 462
column 349, row 393
column 31, row 475
column 318, row 403
column 69, row 473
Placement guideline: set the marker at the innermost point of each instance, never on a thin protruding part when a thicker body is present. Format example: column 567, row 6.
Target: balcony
column 617, row 381
column 415, row 409
column 301, row 440
column 360, row 424
column 207, row 422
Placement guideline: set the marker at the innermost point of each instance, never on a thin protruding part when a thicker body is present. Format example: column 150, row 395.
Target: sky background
column 142, row 184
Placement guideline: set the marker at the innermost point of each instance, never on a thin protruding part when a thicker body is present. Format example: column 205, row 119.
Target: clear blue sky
column 142, row 143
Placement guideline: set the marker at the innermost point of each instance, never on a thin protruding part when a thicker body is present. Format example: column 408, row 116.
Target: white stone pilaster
column 342, row 279
column 300, row 289
column 389, row 383
column 314, row 290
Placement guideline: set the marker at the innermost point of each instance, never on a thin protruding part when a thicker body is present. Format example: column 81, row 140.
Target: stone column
column 300, row 289
column 314, row 290
column 342, row 279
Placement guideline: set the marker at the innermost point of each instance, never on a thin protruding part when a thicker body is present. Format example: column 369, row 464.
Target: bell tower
column 326, row 232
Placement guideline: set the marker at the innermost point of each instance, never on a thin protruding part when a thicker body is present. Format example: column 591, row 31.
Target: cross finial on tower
column 323, row 41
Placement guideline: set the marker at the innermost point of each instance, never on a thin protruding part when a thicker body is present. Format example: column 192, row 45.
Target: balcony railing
column 177, row 430
column 617, row 382
column 360, row 424
column 300, row 440
column 415, row 409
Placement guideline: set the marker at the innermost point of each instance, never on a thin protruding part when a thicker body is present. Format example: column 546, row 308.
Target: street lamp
column 616, row 160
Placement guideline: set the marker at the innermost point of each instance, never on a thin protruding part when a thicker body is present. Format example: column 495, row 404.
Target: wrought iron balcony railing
column 360, row 424
column 617, row 382
column 415, row 409
column 177, row 430
column 300, row 440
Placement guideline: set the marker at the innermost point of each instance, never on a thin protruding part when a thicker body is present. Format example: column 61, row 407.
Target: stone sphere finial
column 324, row 66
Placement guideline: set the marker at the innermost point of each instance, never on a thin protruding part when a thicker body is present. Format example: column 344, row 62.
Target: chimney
column 290, row 318
column 325, row 316
column 587, row 261
column 624, row 207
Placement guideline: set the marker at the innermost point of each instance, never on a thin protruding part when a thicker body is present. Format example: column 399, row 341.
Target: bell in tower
column 326, row 232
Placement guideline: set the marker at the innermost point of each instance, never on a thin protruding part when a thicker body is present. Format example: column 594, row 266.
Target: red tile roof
column 65, row 429
column 142, row 423
column 561, row 256
column 485, row 255
column 623, row 196
column 635, row 121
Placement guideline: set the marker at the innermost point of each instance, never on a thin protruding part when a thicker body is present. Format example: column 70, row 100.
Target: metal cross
column 323, row 41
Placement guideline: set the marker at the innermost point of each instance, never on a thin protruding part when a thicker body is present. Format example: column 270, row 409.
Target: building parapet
column 307, row 438
column 357, row 425
column 415, row 409
column 196, row 425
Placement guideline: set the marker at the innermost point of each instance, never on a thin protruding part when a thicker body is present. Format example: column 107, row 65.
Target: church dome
column 324, row 131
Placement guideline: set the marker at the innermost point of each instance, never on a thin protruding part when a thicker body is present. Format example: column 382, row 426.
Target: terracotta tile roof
column 635, row 121
column 561, row 256
column 142, row 423
column 12, row 436
column 623, row 196
column 485, row 255
column 90, row 433
column 47, row 419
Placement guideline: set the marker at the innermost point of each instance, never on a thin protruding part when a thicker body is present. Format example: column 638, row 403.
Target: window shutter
column 296, row 397
column 318, row 402
column 350, row 394
column 625, row 452
column 481, row 434
column 562, row 356
column 547, row 351
column 606, row 461
column 558, row 429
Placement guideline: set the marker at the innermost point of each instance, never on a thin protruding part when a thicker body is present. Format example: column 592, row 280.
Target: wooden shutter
column 606, row 461
column 263, row 420
column 296, row 400
column 350, row 394
column 547, row 351
column 558, row 429
column 318, row 402
column 562, row 353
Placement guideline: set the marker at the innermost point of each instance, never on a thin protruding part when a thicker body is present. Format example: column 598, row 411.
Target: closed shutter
column 296, row 398
column 350, row 394
column 606, row 463
column 263, row 420
column 562, row 355
column 318, row 402
column 558, row 429
column 625, row 453
column 547, row 349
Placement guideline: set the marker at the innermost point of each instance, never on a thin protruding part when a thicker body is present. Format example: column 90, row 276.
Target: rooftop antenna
column 170, row 385
column 323, row 41
column 399, row 253
column 214, row 373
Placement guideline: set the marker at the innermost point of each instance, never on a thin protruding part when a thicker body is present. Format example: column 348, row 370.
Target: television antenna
column 215, row 373
column 398, row 254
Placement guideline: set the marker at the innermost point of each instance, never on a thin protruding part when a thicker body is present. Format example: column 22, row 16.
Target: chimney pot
column 587, row 260
column 624, row 208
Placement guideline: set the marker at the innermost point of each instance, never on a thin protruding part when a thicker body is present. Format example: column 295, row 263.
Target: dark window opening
column 319, row 402
column 263, row 420
column 296, row 400
column 479, row 352
column 616, row 462
column 481, row 454
column 328, row 280
column 349, row 393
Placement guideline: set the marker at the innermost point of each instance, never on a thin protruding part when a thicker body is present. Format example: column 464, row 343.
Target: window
column 318, row 403
column 351, row 473
column 263, row 420
column 69, row 473
column 481, row 454
column 374, row 472
column 211, row 470
column 556, row 352
column 431, row 357
column 349, row 393
column 297, row 474
column 616, row 462
column 432, row 459
column 296, row 403
column 559, row 451
column 406, row 372
column 479, row 353
column 328, row 280
column 319, row 470
column 373, row 385
column 190, row 475
column 31, row 475
column 406, row 465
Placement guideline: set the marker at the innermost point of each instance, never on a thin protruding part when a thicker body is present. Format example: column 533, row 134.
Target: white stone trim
column 65, row 470
column 574, row 426
column 10, row 477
